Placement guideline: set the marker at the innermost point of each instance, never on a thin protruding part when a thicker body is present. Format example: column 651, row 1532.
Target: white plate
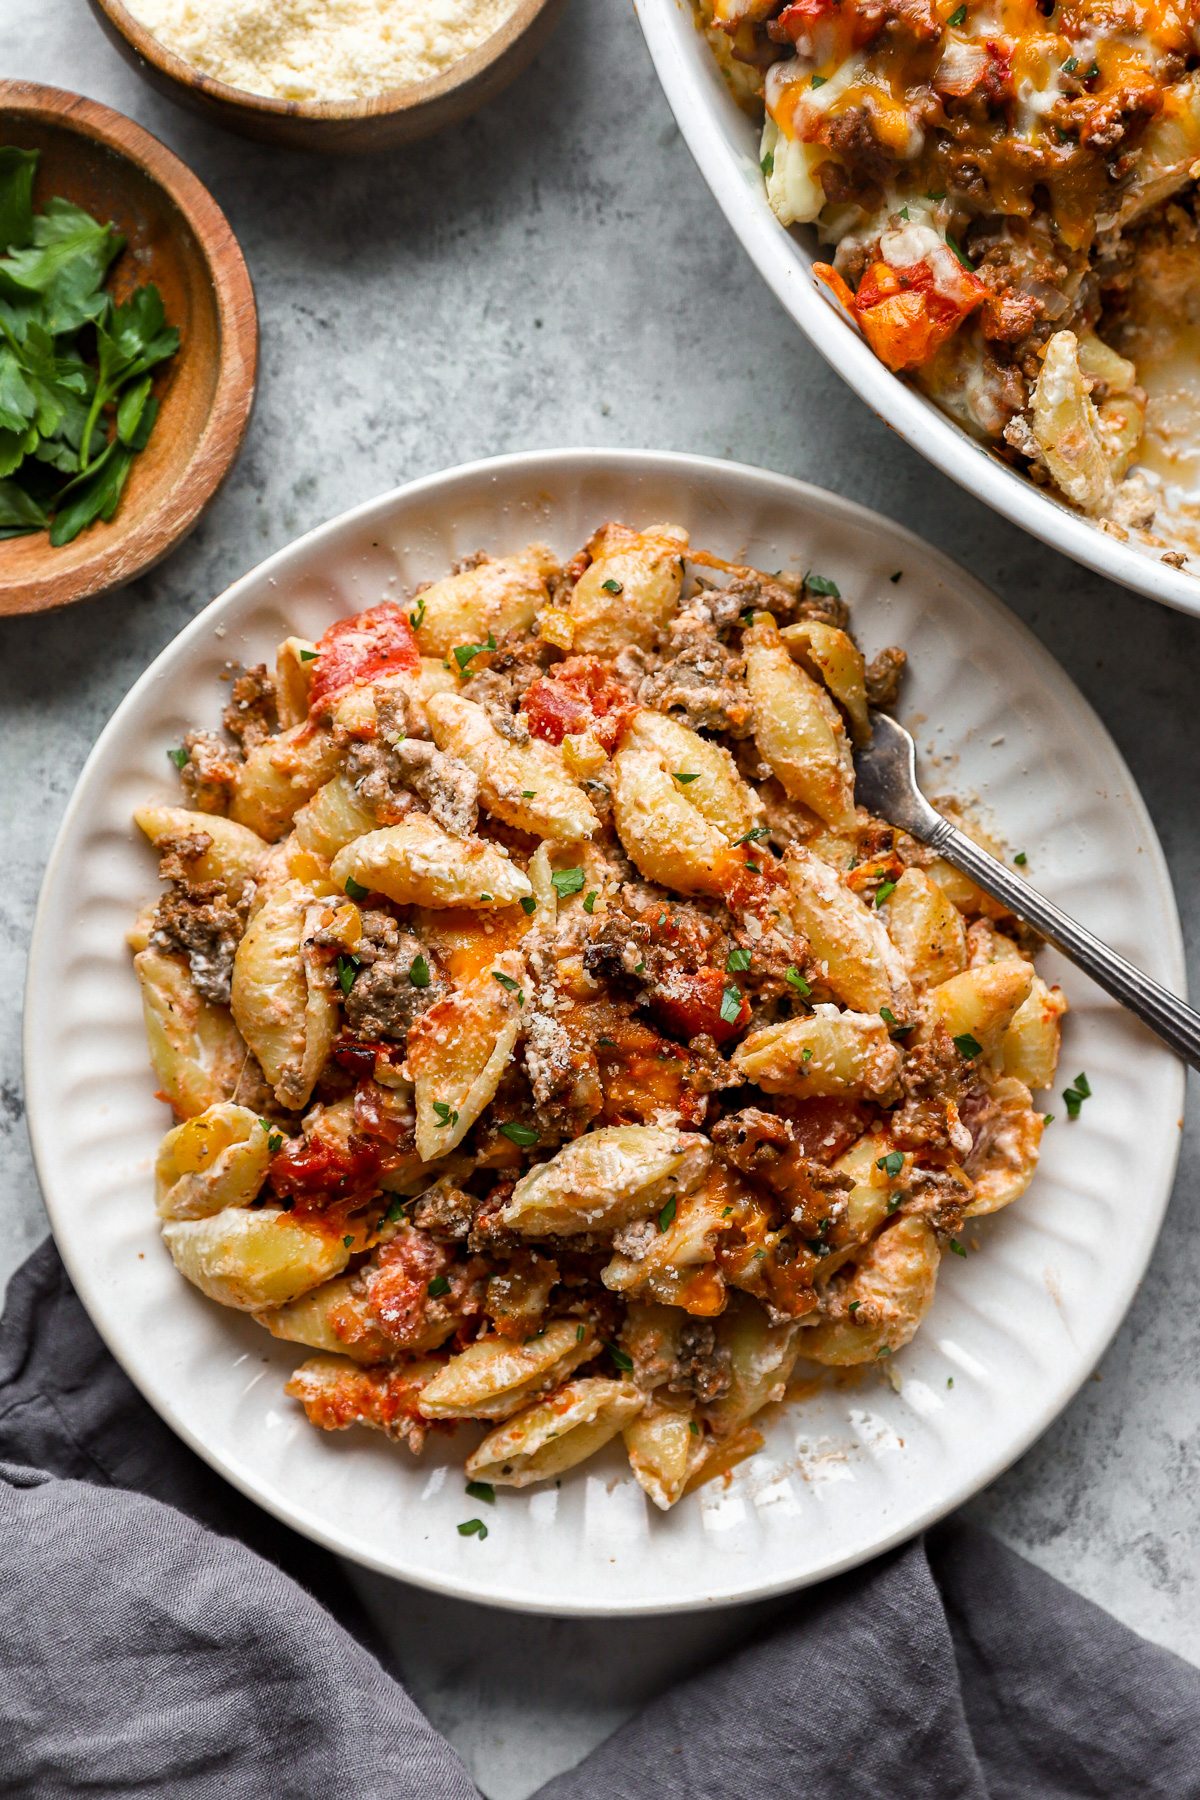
column 1016, row 1327
column 725, row 145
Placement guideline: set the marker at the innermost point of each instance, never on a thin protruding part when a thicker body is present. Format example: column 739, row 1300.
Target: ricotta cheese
column 321, row 49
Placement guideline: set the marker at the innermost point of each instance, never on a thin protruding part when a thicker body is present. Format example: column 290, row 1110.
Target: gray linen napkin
column 161, row 1635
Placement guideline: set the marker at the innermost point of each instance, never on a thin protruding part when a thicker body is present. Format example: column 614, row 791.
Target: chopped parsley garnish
column 949, row 1381
column 418, row 974
column 692, row 1426
column 566, row 881
column 638, row 967
column 883, row 1350
column 891, row 1164
column 528, row 793
column 395, row 1211
column 613, row 587
column 821, row 584
column 795, row 979
column 882, row 892
column 347, row 969
column 445, row 1115
column 903, row 214
column 1047, row 1119
column 959, row 17
column 962, row 259
column 355, row 889
column 767, row 165
column 968, row 1046
column 806, row 1055
column 1020, row 859
column 957, row 1247
column 579, row 1334
column 853, row 1307
column 896, row 577
column 524, row 1135
column 684, row 776
column 482, row 1490
column 752, row 837
column 465, row 652
column 528, row 906
column 727, row 1212
column 738, row 961
column 887, row 1015
column 666, row 1217
column 473, row 1528
column 309, row 655
column 1092, row 73
column 179, row 757
column 347, row 1241
column 417, row 619
column 274, row 1138
column 819, row 80
column 485, row 896
column 611, row 1042
column 590, row 900
column 1076, row 1095
column 753, row 867
column 619, row 1357
column 731, row 1003
column 1070, row 66
column 438, row 1286
column 506, row 982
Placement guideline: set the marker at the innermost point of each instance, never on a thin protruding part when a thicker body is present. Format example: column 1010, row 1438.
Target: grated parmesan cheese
column 321, row 49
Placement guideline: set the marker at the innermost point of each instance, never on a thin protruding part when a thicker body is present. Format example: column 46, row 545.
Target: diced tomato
column 384, row 1113
column 358, row 1058
column 357, row 650
column 398, row 1294
column 687, row 1003
column 798, row 19
column 823, row 1129
column 976, row 68
column 907, row 314
column 579, row 695
column 323, row 1169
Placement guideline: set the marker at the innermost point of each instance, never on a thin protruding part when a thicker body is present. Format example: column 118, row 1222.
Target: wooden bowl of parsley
column 128, row 349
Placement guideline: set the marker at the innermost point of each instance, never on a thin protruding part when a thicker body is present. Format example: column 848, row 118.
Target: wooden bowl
column 340, row 126
column 177, row 237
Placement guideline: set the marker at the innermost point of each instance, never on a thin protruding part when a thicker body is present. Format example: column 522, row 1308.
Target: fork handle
column 1155, row 1005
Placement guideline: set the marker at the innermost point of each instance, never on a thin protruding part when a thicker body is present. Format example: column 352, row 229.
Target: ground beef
column 250, row 716
column 447, row 785
column 699, row 679
column 197, row 919
column 384, row 1001
column 445, row 1212
column 499, row 685
column 210, row 773
column 883, row 677
column 934, row 1078
column 703, row 1368
column 852, row 135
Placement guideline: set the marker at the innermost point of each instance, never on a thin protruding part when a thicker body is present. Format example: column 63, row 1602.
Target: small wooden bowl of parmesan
column 345, row 76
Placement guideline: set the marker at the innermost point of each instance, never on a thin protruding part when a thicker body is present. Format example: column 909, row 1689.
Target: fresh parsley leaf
column 731, row 1003
column 418, row 973
column 1047, row 1119
column 806, row 1055
column 949, row 1381
column 968, row 1046
column 485, row 896
column 819, row 80
column 1092, row 73
column 589, row 902
column 738, row 961
column 524, row 1135
column 1075, row 1096
column 355, row 889
column 580, row 1334
column 957, row 1247
column 19, row 511
column 506, row 982
column 438, row 1286
column 767, row 165
column 891, row 1164
column 683, row 776
column 904, row 214
column 666, row 1217
column 417, row 619
column 887, row 1015
column 619, row 1357
column 16, row 196
column 528, row 905
column 482, row 1490
column 883, row 891
column 613, row 587
column 566, row 882
column 347, row 1241
column 347, row 969
column 1083, row 1087
column 962, row 259
column 693, row 1427
column 1070, row 66
column 795, row 979
column 610, row 1042
column 444, row 1114
column 752, row 837
column 473, row 1528
column 395, row 1211
column 309, row 655
column 1020, row 859
column 464, row 653
column 274, row 1138
column 179, row 757
column 821, row 584
column 528, row 793
column 959, row 17
column 853, row 1307
column 95, row 497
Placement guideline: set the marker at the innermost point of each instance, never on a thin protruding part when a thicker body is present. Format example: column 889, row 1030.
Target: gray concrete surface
column 554, row 272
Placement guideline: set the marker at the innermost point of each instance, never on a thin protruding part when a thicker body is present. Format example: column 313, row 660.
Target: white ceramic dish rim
column 737, row 187
column 295, row 1514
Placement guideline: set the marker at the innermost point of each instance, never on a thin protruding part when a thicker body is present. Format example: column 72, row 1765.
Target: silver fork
column 887, row 786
